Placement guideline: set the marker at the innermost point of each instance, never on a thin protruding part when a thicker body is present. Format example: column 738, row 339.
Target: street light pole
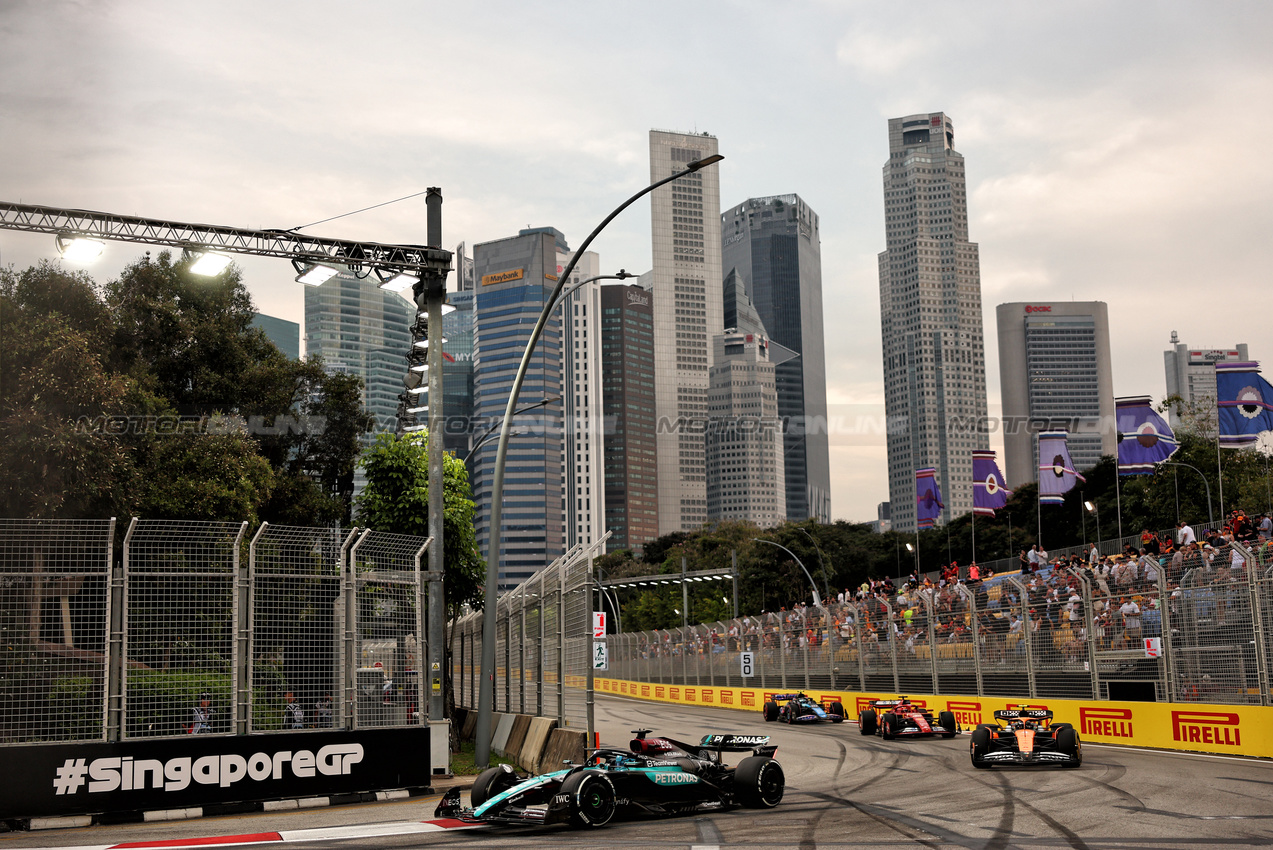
column 434, row 292
column 1092, row 509
column 483, row 731
column 490, row 432
column 1210, row 518
column 812, row 583
column 821, row 563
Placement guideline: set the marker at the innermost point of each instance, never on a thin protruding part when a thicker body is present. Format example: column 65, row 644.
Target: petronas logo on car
column 674, row 778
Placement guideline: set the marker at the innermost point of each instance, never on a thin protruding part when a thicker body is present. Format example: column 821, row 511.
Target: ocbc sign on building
column 1039, row 308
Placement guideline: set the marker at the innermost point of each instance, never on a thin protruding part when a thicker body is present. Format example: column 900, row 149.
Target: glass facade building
column 773, row 246
column 515, row 278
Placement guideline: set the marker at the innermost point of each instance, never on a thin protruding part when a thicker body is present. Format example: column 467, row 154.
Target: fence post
column 351, row 629
column 561, row 645
column 892, row 643
column 929, row 614
column 1089, row 624
column 589, row 675
column 1257, row 622
column 857, row 646
column 1164, row 620
column 115, row 601
column 1028, row 628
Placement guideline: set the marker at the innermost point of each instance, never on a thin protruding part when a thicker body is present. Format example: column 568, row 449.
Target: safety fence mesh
column 180, row 627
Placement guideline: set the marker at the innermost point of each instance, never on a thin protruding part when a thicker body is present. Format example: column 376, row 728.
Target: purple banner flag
column 1057, row 475
column 1144, row 438
column 988, row 493
column 1245, row 402
column 928, row 503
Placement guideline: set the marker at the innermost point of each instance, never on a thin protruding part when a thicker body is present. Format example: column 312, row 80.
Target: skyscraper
column 357, row 327
column 627, row 380
column 516, row 277
column 744, row 436
column 1055, row 372
column 930, row 317
column 1191, row 374
column 685, row 229
column 583, row 499
column 457, row 374
column 773, row 245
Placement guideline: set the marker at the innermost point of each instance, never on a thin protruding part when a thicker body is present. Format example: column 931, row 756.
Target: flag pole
column 1118, row 499
column 1038, row 495
column 1219, row 469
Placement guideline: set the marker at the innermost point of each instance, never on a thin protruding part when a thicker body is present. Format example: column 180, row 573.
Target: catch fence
column 544, row 647
column 195, row 629
column 1194, row 629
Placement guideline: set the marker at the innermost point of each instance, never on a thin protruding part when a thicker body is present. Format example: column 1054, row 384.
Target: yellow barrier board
column 1227, row 729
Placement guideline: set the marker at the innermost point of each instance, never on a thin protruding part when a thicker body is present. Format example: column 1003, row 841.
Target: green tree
column 396, row 499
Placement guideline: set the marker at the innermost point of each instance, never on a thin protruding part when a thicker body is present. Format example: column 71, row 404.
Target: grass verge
column 462, row 762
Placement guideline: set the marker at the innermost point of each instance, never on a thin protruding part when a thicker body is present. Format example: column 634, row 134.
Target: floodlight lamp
column 420, row 390
column 396, row 281
column 411, row 429
column 209, row 263
column 420, row 367
column 79, row 249
column 447, row 309
column 1090, row 507
column 424, row 343
column 424, row 408
column 313, row 274
column 910, row 548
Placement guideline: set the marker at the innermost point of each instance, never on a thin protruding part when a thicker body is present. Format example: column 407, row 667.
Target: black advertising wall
column 198, row 770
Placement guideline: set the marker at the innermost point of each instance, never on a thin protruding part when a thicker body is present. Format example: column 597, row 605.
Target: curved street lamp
column 812, row 584
column 1210, row 520
column 486, row 693
column 490, row 432
column 825, row 587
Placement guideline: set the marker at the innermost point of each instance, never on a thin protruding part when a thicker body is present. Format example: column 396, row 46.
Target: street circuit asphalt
column 843, row 790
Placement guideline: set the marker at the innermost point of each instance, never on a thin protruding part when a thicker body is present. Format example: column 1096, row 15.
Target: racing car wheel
column 1067, row 741
column 888, row 726
column 979, row 746
column 759, row 782
column 592, row 798
column 836, row 710
column 948, row 723
column 868, row 722
column 491, row 782
column 771, row 711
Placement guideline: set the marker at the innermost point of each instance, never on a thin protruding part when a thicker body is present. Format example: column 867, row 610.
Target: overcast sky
column 1115, row 151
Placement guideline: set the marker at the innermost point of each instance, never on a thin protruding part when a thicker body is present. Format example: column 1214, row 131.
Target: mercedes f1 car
column 658, row 776
column 801, row 708
column 896, row 718
column 1025, row 736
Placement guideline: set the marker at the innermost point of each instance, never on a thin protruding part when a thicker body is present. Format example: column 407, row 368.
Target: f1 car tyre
column 948, row 723
column 592, row 798
column 771, row 711
column 868, row 722
column 490, row 783
column 888, row 726
column 1057, row 727
column 1067, row 741
column 759, row 782
column 979, row 747
column 836, row 710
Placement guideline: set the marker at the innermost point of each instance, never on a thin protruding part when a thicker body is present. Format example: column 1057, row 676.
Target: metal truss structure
column 416, row 259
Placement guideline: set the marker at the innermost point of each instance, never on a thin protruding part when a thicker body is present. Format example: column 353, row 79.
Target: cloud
column 878, row 54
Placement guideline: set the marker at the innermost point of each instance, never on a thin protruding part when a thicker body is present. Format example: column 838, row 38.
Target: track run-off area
column 843, row 790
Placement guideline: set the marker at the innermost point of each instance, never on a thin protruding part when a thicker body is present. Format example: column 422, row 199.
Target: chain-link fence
column 544, row 647
column 199, row 631
column 1192, row 628
column 54, row 628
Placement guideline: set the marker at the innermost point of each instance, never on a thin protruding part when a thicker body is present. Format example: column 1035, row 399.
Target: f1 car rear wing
column 1023, row 714
column 784, row 697
column 888, row 703
column 758, row 744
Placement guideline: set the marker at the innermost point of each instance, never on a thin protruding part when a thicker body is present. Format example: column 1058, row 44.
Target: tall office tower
column 1055, row 372
column 460, row 429
column 285, row 335
column 357, row 327
column 1191, row 374
column 582, row 467
column 930, row 316
column 685, row 226
column 516, row 277
column 772, row 244
column 745, row 478
column 464, row 280
column 627, row 383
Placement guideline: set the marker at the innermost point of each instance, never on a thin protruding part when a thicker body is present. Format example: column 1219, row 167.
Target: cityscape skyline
column 1075, row 188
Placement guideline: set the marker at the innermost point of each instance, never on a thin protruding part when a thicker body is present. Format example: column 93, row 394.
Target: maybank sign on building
column 1240, row 730
column 503, row 277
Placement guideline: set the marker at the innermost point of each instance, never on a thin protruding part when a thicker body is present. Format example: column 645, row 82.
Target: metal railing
column 198, row 630
column 1066, row 632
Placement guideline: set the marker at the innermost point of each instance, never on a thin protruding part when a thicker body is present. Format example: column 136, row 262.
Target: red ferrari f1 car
column 896, row 718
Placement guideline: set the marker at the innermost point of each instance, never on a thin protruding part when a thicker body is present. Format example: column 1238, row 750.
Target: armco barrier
column 1227, row 729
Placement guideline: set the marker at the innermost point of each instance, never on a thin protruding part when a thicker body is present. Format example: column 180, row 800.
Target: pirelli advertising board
column 1227, row 729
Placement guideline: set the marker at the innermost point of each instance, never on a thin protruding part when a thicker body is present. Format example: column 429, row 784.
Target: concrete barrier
column 517, row 737
column 469, row 729
column 537, row 734
column 562, row 744
column 499, row 739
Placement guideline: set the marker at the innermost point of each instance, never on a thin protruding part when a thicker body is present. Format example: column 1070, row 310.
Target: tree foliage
column 396, row 499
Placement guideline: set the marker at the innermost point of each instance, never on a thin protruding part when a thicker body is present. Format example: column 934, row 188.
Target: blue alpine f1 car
column 802, row 708
column 655, row 777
